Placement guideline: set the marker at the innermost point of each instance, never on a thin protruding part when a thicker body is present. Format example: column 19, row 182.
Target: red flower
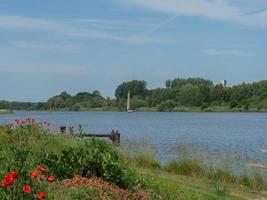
column 13, row 174
column 34, row 174
column 33, row 120
column 24, row 122
column 17, row 121
column 42, row 169
column 8, row 180
column 41, row 195
column 51, row 179
column 26, row 189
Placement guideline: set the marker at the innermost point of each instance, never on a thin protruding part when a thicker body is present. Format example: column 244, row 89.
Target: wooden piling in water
column 114, row 136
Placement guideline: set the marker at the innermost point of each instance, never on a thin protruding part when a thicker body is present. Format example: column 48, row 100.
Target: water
column 241, row 134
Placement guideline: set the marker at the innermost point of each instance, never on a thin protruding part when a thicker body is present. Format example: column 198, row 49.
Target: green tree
column 137, row 88
column 190, row 95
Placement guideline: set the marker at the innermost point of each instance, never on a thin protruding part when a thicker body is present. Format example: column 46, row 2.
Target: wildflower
column 51, row 179
column 26, row 189
column 34, row 174
column 41, row 195
column 24, row 122
column 33, row 120
column 13, row 174
column 17, row 121
column 42, row 169
column 8, row 180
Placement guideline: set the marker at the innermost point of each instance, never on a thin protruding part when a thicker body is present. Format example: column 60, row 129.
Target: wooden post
column 63, row 129
column 115, row 137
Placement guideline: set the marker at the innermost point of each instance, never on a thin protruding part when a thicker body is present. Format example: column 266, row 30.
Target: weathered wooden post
column 63, row 129
column 115, row 138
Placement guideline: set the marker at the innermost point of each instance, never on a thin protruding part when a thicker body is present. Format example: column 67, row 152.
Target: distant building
column 224, row 83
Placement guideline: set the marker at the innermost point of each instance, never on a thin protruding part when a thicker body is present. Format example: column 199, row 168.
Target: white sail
column 128, row 101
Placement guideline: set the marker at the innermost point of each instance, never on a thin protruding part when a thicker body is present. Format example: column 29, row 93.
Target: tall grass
column 140, row 154
column 194, row 164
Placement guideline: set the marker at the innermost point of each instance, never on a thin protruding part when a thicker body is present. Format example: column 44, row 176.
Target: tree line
column 179, row 94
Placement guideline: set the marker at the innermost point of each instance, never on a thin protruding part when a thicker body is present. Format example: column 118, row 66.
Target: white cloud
column 71, row 29
column 214, row 52
column 213, row 9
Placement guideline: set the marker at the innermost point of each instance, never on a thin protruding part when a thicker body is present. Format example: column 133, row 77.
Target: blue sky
column 81, row 45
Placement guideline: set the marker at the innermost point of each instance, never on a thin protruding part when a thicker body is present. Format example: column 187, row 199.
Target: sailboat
column 129, row 110
column 50, row 107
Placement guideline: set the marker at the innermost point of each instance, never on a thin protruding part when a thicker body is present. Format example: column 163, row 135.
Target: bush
column 92, row 158
column 166, row 106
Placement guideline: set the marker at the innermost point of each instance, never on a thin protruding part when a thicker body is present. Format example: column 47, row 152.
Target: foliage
column 184, row 93
column 91, row 158
column 21, row 178
column 137, row 88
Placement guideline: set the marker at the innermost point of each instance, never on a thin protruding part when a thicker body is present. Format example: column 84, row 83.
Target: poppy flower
column 33, row 120
column 41, row 195
column 26, row 189
column 14, row 174
column 34, row 174
column 42, row 169
column 8, row 180
column 51, row 179
column 17, row 121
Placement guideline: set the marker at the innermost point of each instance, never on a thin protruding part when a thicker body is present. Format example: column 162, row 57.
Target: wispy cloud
column 213, row 9
column 46, row 46
column 71, row 29
column 214, row 52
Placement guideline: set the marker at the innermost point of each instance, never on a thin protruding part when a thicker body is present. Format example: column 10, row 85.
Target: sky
column 51, row 46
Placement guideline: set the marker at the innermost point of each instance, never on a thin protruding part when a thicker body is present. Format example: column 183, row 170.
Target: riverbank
column 3, row 112
column 175, row 109
column 137, row 175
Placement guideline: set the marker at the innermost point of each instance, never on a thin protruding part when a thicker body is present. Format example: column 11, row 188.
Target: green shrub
column 91, row 158
column 166, row 106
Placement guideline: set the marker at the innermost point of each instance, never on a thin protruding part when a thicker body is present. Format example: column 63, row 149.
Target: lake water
column 241, row 134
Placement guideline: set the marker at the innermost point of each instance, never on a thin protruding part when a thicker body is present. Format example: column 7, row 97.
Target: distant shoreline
column 217, row 109
column 5, row 112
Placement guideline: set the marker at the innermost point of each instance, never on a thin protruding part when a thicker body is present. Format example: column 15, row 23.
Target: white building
column 224, row 83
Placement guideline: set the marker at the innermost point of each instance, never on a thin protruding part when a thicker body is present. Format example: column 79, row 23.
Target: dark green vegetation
column 28, row 145
column 192, row 94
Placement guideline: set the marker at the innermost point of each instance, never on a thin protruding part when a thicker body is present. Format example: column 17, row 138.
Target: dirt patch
column 106, row 189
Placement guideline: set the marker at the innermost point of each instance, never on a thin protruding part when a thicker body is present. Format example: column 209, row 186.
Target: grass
column 2, row 111
column 195, row 179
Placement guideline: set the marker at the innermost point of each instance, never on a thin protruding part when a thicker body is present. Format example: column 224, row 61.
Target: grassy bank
column 93, row 169
column 2, row 112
